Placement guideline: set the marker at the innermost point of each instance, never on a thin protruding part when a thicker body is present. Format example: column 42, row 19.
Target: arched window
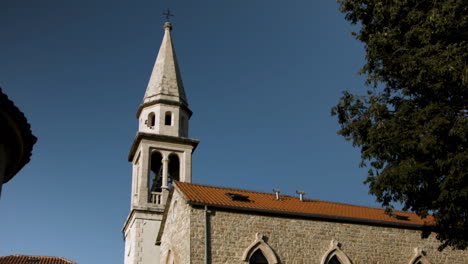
column 419, row 257
column 334, row 255
column 168, row 118
column 334, row 260
column 173, row 170
column 151, row 120
column 258, row 258
column 155, row 175
column 259, row 252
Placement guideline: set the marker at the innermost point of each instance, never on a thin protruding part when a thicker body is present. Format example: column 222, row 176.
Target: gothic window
column 335, row 255
column 174, row 169
column 334, row 260
column 419, row 257
column 258, row 258
column 259, row 252
column 419, row 260
column 151, row 120
column 168, row 119
column 155, row 177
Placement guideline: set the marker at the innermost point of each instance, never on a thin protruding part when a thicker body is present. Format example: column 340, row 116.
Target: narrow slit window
column 151, row 120
column 168, row 119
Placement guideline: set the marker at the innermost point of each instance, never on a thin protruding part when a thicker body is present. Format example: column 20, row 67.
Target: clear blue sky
column 260, row 76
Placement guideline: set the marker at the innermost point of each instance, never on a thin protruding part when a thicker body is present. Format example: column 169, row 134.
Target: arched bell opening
column 155, row 177
column 173, row 170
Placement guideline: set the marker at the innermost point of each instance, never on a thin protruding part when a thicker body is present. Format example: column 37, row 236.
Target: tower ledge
column 161, row 138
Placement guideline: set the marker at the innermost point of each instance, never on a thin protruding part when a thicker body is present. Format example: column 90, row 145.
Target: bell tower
column 161, row 153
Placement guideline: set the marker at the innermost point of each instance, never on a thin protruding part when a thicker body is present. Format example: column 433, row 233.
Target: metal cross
column 168, row 14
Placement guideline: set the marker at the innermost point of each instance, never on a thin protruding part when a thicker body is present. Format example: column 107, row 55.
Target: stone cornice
column 148, row 210
column 320, row 217
column 161, row 138
column 182, row 105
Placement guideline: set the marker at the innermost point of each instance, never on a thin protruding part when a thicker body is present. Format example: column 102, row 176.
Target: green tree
column 411, row 124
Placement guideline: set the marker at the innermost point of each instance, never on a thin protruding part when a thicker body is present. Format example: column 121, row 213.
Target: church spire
column 161, row 153
column 166, row 82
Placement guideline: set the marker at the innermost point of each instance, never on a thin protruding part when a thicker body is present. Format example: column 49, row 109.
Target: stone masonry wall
column 306, row 241
column 176, row 235
column 140, row 237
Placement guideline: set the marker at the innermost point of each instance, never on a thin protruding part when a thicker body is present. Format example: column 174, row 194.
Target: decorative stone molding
column 260, row 244
column 419, row 256
column 335, row 250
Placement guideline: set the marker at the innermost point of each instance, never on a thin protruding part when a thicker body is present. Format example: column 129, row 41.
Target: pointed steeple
column 166, row 82
column 161, row 153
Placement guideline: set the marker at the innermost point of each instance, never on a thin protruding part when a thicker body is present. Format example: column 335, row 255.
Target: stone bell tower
column 161, row 153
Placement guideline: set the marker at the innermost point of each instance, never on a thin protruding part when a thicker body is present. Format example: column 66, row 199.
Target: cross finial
column 168, row 14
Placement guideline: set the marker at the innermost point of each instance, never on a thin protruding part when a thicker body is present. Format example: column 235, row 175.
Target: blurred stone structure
column 16, row 139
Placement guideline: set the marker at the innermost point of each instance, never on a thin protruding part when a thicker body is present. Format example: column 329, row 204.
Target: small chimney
column 277, row 192
column 301, row 195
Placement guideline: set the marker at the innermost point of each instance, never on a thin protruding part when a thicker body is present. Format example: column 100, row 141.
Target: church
column 174, row 221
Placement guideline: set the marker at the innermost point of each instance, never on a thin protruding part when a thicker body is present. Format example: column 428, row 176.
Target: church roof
column 237, row 199
column 29, row 259
column 166, row 81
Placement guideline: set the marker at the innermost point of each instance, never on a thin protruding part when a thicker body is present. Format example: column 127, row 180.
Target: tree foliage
column 412, row 122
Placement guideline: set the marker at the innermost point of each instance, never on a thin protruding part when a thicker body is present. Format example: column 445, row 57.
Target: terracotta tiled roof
column 266, row 202
column 29, row 259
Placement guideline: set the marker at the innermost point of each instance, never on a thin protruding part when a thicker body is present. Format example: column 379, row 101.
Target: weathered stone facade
column 139, row 236
column 294, row 240
column 178, row 227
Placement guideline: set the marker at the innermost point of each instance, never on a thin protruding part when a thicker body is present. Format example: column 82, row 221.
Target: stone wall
column 140, row 238
column 306, row 241
column 176, row 235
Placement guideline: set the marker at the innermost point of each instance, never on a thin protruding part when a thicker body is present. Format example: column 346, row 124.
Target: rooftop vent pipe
column 277, row 192
column 301, row 195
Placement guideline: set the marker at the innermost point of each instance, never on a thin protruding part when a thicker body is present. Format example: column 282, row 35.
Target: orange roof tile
column 266, row 202
column 29, row 259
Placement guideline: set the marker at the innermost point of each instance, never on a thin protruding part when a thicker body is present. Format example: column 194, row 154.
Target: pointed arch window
column 334, row 260
column 258, row 258
column 335, row 255
column 419, row 257
column 259, row 252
